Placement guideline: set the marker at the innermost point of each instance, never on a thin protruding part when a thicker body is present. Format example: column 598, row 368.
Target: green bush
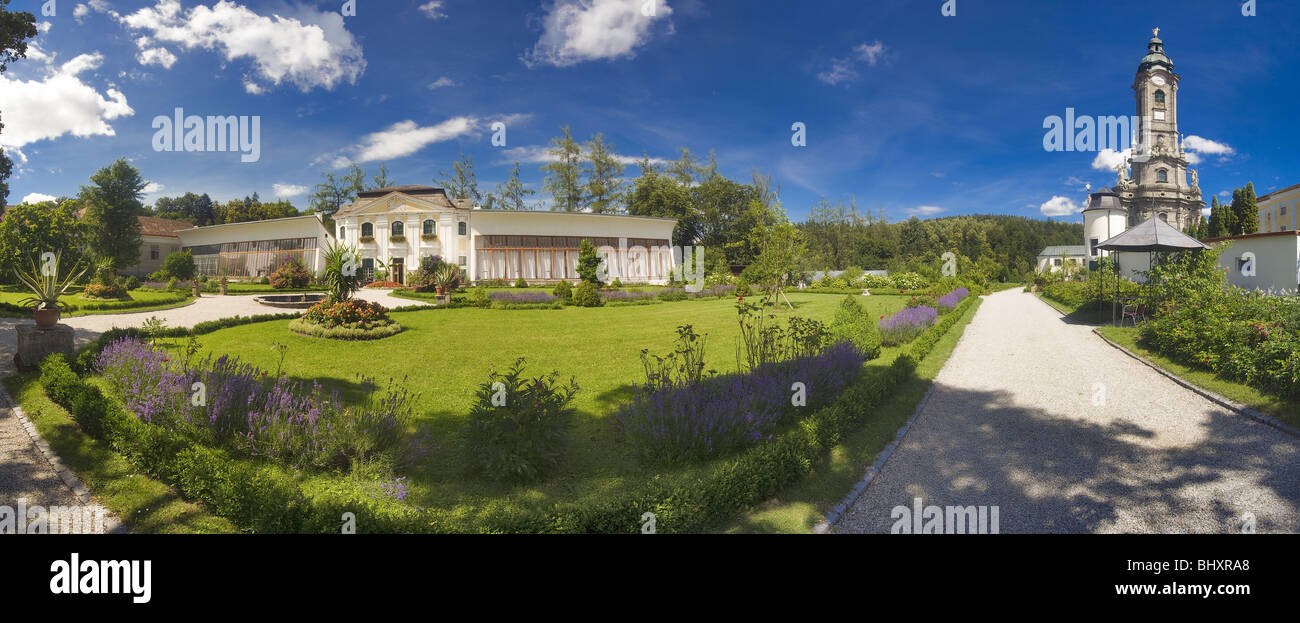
column 179, row 265
column 742, row 288
column 586, row 295
column 563, row 290
column 1069, row 293
column 480, row 297
column 521, row 283
column 518, row 429
column 291, row 274
column 305, row 327
column 132, row 282
column 617, row 283
column 854, row 325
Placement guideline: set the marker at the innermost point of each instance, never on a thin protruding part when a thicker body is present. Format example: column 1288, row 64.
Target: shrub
column 852, row 274
column 722, row 413
column 132, row 282
column 113, row 290
column 909, row 281
column 518, row 431
column 521, row 283
column 523, row 297
column 179, row 265
column 1068, row 293
column 673, row 294
column 589, row 263
column 563, row 290
column 906, row 325
column 743, row 289
column 617, row 283
column 479, row 297
column 762, row 342
column 375, row 332
column 290, row 275
column 853, row 325
column 949, row 301
column 264, row 280
column 173, row 283
column 586, row 295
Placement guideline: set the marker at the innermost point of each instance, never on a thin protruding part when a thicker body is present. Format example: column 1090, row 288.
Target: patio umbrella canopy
column 1152, row 235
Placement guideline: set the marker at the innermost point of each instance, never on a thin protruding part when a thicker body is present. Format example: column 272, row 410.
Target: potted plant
column 43, row 281
column 225, row 283
column 446, row 278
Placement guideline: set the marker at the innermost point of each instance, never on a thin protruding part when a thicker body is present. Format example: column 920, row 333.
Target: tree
column 380, row 180
column 333, row 193
column 563, row 173
column 112, row 210
column 1232, row 214
column 512, row 192
column 1248, row 210
column 179, row 265
column 778, row 246
column 191, row 208
column 684, row 169
column 589, row 263
column 37, row 228
column 461, row 183
column 655, row 194
column 604, row 171
column 1215, row 225
column 15, row 29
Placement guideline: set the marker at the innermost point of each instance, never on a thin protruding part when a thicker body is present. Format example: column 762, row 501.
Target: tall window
column 1092, row 246
column 462, row 228
column 342, row 232
column 367, row 230
column 398, row 228
column 1160, row 97
column 1162, row 176
column 428, row 227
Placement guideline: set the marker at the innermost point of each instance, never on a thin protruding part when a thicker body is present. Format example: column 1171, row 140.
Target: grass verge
column 802, row 505
column 1287, row 412
column 145, row 505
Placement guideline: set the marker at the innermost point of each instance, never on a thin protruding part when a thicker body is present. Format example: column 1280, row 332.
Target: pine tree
column 461, row 183
column 1248, row 211
column 603, row 187
column 1231, row 226
column 1215, row 225
column 563, row 173
column 512, row 192
column 112, row 207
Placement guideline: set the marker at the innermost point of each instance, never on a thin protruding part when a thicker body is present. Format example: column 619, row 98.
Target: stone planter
column 196, row 289
column 35, row 344
column 224, row 286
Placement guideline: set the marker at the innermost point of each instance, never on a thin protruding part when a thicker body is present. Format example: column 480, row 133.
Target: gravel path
column 1012, row 422
column 25, row 473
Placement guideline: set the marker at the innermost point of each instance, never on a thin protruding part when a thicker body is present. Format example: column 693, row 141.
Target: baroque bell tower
column 1160, row 184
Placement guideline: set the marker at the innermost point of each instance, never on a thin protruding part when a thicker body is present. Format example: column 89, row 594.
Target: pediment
column 399, row 203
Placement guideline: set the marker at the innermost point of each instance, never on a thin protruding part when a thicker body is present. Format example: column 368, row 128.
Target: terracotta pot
column 440, row 290
column 46, row 318
column 223, row 289
column 196, row 288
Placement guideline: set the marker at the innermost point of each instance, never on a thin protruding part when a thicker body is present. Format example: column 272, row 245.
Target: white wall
column 1277, row 261
column 278, row 229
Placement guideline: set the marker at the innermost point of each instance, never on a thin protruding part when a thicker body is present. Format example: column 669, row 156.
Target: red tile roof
column 161, row 227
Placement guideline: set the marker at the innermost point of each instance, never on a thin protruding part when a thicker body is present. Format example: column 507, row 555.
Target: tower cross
column 1156, row 32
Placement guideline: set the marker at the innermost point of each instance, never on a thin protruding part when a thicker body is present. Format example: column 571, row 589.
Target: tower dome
column 1156, row 55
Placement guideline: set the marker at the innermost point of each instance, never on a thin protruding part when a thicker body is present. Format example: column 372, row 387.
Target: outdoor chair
column 1136, row 313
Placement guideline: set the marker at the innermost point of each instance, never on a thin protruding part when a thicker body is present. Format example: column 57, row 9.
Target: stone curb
column 833, row 517
column 112, row 525
column 1222, row 401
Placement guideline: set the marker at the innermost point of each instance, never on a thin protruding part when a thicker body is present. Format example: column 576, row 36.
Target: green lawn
column 445, row 354
column 802, row 505
column 141, row 300
column 145, row 504
column 1279, row 408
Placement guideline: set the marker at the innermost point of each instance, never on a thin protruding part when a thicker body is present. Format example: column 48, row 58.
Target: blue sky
column 906, row 110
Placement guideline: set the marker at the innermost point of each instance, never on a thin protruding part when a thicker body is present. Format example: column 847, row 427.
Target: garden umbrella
column 1152, row 235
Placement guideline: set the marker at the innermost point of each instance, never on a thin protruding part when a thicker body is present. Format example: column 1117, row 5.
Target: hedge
column 262, row 498
column 89, row 306
column 311, row 329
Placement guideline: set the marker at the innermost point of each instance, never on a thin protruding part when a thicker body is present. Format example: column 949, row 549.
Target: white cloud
column 153, row 188
column 575, row 31
column 309, row 50
column 923, row 211
column 540, row 154
column 1109, row 159
column 1197, row 147
column 442, row 82
column 60, row 104
column 98, row 6
column 403, row 139
column 1059, row 206
column 44, row 26
column 433, row 10
column 157, row 56
column 253, row 88
column 846, row 69
column 38, row 197
column 284, row 191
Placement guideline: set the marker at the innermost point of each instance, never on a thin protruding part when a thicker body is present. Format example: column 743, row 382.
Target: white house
column 400, row 225
column 1058, row 257
column 1267, row 261
column 255, row 249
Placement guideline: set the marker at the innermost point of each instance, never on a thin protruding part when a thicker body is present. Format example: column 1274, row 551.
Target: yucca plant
column 447, row 277
column 338, row 282
column 44, row 283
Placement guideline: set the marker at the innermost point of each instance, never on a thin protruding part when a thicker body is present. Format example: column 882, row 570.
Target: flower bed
column 350, row 320
column 384, row 284
column 722, row 413
column 949, row 301
column 243, row 411
column 907, row 324
column 523, row 297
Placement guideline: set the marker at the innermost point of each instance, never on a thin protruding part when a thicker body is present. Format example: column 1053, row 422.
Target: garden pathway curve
column 24, row 472
column 1064, row 433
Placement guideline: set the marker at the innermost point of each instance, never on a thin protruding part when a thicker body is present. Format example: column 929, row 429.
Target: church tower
column 1160, row 183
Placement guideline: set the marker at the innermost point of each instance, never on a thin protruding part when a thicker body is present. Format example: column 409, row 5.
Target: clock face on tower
column 1158, row 81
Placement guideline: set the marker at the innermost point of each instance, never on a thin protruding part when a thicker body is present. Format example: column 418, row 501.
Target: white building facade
column 396, row 227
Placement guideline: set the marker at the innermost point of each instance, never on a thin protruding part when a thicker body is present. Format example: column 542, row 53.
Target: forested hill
column 839, row 239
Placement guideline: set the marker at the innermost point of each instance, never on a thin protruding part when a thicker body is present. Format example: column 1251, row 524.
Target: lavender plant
column 906, row 325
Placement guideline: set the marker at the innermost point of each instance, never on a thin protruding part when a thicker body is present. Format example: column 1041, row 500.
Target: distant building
column 158, row 239
column 1277, row 210
column 1058, row 257
column 1267, row 261
column 256, row 248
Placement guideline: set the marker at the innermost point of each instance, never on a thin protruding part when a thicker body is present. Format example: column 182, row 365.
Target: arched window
column 398, row 228
column 342, row 232
column 1160, row 97
column 463, row 229
column 1164, row 217
column 1162, row 176
column 428, row 227
column 367, row 230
